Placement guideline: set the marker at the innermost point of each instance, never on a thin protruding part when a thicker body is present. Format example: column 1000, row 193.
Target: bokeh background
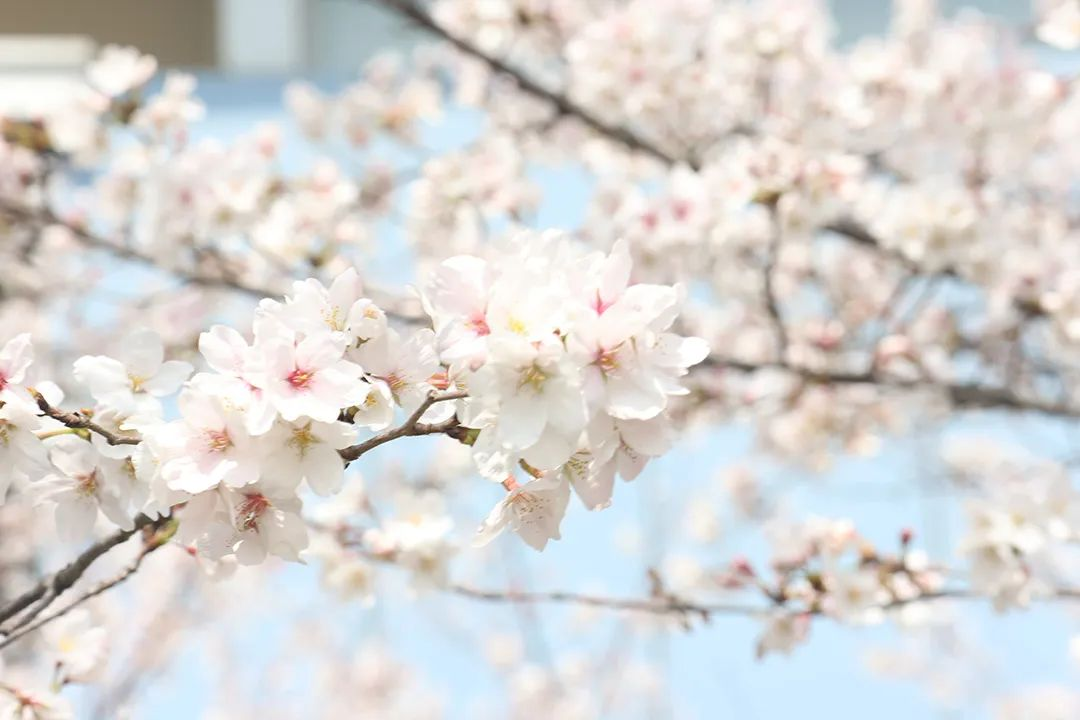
column 244, row 51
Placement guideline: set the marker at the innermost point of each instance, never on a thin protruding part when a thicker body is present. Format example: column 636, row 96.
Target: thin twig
column 563, row 104
column 772, row 304
column 55, row 584
column 78, row 421
column 960, row 395
column 669, row 604
column 412, row 427
column 418, row 15
column 150, row 546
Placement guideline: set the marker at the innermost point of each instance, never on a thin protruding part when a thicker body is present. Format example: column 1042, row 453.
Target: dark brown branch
column 412, row 427
column 78, row 421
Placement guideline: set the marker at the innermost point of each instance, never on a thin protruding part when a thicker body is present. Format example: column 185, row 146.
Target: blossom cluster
column 570, row 368
column 557, row 363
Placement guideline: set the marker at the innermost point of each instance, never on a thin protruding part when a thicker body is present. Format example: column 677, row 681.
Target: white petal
column 142, row 353
column 168, row 378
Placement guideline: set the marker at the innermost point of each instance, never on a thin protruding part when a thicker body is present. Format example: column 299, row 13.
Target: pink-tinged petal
column 336, row 435
column 193, row 478
column 52, row 392
column 495, row 523
column 74, row 457
column 630, row 463
column 251, row 550
column 655, row 306
column 260, row 415
column 324, row 471
column 615, row 275
column 102, row 375
column 592, row 484
column 345, row 289
column 115, row 510
column 241, row 472
column 318, row 351
column 552, row 449
column 673, row 351
column 521, row 421
column 224, row 349
column 201, row 411
column 457, row 286
column 142, row 353
column 648, row 437
column 538, row 509
column 169, row 378
column 289, row 538
column 633, row 396
column 15, row 357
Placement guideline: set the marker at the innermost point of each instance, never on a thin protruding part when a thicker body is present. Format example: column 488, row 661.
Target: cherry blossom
column 118, row 70
column 85, row 484
column 709, row 231
column 127, row 383
column 533, row 510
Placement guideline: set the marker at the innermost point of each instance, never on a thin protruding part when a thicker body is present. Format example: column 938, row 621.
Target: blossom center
column 253, row 506
column 607, row 361
column 516, row 326
column 218, row 440
column 333, row 319
column 396, row 383
column 87, row 485
column 478, row 325
column 533, row 377
column 137, row 382
column 300, row 379
column 302, row 439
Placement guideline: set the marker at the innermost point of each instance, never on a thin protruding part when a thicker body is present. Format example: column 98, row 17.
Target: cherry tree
column 841, row 252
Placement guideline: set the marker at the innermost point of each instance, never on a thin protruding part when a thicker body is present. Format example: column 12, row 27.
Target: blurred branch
column 45, row 216
column 418, row 15
column 672, row 605
column 156, row 536
column 51, row 587
column 78, row 421
column 219, row 280
column 960, row 395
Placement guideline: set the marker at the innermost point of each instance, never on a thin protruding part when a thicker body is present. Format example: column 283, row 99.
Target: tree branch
column 961, row 395
column 51, row 587
column 419, row 16
column 79, row 421
column 46, row 216
column 152, row 543
column 412, row 427
column 672, row 605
